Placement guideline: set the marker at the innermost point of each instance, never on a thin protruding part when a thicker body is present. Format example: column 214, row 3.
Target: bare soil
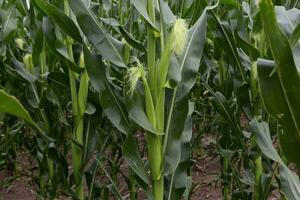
column 20, row 189
column 18, row 186
column 205, row 174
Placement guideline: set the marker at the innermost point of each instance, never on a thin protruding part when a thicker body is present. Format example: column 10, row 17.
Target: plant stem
column 153, row 145
column 225, row 172
column 163, row 33
column 151, row 46
column 43, row 59
column 132, row 187
column 153, row 141
column 43, row 66
column 120, row 12
column 258, row 174
column 182, row 8
column 78, row 107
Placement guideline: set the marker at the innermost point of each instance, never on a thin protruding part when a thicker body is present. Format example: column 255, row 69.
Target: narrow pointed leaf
column 132, row 156
column 9, row 25
column 9, row 104
column 275, row 102
column 287, row 82
column 288, row 21
column 288, row 179
column 109, row 47
column 113, row 107
column 137, row 112
column 189, row 64
column 141, row 7
column 181, row 176
column 56, row 45
column 126, row 35
column 60, row 18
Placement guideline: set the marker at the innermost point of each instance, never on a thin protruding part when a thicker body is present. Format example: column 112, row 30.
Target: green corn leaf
column 21, row 70
column 285, row 84
column 131, row 40
column 189, row 64
column 221, row 104
column 180, row 178
column 137, row 112
column 275, row 102
column 109, row 47
column 288, row 21
column 114, row 110
column 9, row 104
column 56, row 45
column 9, row 25
column 289, row 180
column 132, row 156
column 295, row 36
column 225, row 38
column 112, row 105
column 62, row 20
column 126, row 35
column 141, row 7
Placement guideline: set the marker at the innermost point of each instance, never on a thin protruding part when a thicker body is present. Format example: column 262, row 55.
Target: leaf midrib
column 103, row 32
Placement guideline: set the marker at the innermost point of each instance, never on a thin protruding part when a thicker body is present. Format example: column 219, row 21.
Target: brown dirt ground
column 19, row 186
column 18, row 190
column 204, row 176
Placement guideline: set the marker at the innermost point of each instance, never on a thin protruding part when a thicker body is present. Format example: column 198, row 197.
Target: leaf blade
column 11, row 105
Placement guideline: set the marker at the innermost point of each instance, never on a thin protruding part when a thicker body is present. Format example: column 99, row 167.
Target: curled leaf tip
column 179, row 36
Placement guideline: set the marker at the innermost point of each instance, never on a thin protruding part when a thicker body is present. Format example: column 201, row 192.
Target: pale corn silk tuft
column 133, row 75
column 179, row 36
column 20, row 43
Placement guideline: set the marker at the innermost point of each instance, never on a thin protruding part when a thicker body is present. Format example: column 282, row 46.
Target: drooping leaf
column 141, row 6
column 288, row 21
column 181, row 178
column 21, row 70
column 9, row 104
column 56, row 45
column 60, row 18
column 289, row 180
column 131, row 40
column 137, row 112
column 295, row 36
column 109, row 47
column 132, row 156
column 112, row 106
column 286, row 82
column 224, row 37
column 126, row 35
column 276, row 104
column 189, row 63
column 9, row 25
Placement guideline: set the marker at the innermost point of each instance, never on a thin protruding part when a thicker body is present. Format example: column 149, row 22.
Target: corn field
column 114, row 99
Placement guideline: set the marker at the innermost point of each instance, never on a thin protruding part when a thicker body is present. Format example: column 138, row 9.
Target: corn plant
column 177, row 44
column 280, row 75
column 96, row 84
